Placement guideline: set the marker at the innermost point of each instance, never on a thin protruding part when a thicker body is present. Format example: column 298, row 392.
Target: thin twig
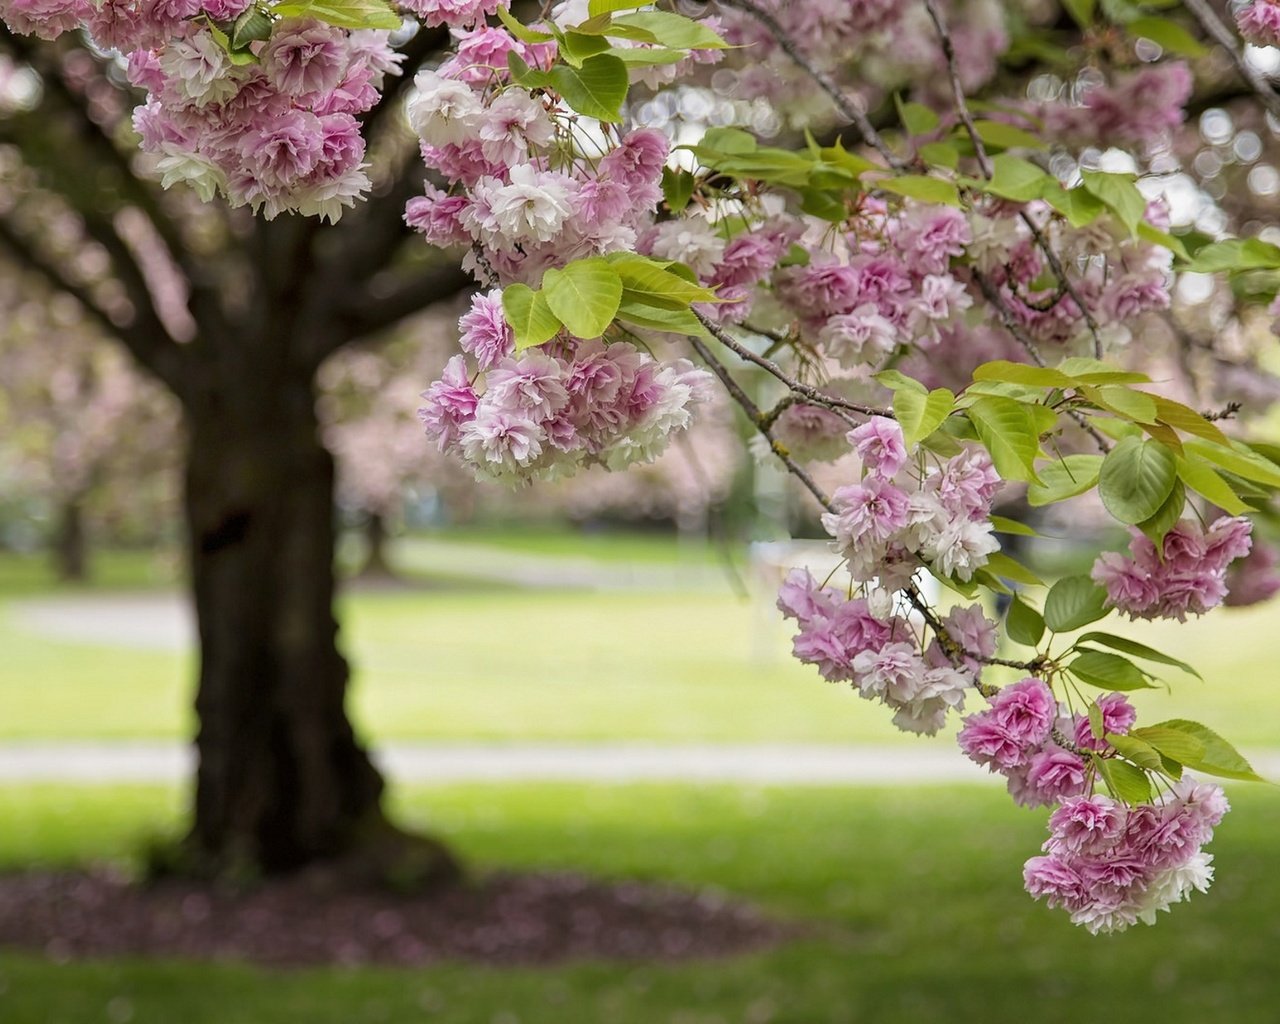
column 984, row 163
column 807, row 391
column 848, row 109
column 1020, row 335
column 757, row 418
column 1224, row 37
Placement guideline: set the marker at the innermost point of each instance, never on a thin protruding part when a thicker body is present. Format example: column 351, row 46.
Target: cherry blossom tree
column 84, row 437
column 974, row 259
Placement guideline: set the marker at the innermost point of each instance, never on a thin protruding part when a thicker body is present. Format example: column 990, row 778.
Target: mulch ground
column 501, row 919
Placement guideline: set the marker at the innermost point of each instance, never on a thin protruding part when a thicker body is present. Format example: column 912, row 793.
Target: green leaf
column 1136, row 479
column 1120, row 193
column 1081, row 11
column 1108, row 671
column 1023, row 373
column 1120, row 643
column 596, row 89
column 1183, row 418
column 1220, row 757
column 894, row 380
column 1237, row 459
column 529, row 316
column 1006, row 136
column 1072, row 602
column 1172, row 743
column 1162, row 238
column 1096, row 725
column 1132, row 405
column 521, row 31
column 1023, row 623
column 1127, row 782
column 584, row 296
column 940, row 154
column 1002, row 524
column 920, row 415
column 666, row 29
column 823, row 205
column 1205, row 481
column 1166, row 516
column 677, row 188
column 1008, row 431
column 253, row 26
column 343, row 13
column 1069, row 476
column 598, row 7
column 916, row 117
column 1169, row 35
column 647, row 282
column 1010, row 568
column 576, row 47
column 1235, row 255
column 923, row 187
column 638, row 57
column 1014, row 178
column 656, row 318
column 1137, row 750
column 1080, row 206
column 733, row 141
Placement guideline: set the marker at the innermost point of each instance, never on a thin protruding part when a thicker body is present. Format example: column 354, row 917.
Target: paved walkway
column 905, row 764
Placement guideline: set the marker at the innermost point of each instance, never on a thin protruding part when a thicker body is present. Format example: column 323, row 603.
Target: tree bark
column 283, row 781
column 70, row 548
column 376, row 566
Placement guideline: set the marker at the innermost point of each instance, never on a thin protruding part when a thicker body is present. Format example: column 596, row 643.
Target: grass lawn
column 500, row 664
column 922, row 888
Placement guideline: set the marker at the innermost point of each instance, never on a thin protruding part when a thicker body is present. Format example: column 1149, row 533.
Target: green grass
column 604, row 545
column 921, row 889
column 675, row 666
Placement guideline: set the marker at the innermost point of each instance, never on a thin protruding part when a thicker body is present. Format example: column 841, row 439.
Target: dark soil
column 501, row 919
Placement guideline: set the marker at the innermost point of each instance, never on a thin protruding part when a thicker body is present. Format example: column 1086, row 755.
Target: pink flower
column 1118, row 716
column 436, row 215
column 485, row 332
column 1086, row 824
column 1051, row 775
column 533, row 384
column 1025, row 711
column 304, row 57
column 282, row 149
column 878, row 443
column 801, row 598
column 451, row 403
column 872, row 511
column 1259, row 22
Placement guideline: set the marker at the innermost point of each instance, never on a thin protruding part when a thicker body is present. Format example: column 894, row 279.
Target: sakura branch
column 1260, row 26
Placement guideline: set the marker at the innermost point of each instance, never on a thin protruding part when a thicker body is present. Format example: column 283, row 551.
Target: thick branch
column 157, row 354
column 371, row 312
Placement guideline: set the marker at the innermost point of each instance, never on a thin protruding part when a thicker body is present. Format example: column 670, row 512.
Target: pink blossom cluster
column 897, row 518
column 1014, row 737
column 528, row 188
column 864, row 642
column 1110, row 866
column 546, row 412
column 1134, row 108
column 884, row 43
column 1187, row 576
column 274, row 129
column 1132, row 280
column 1259, row 22
column 279, row 134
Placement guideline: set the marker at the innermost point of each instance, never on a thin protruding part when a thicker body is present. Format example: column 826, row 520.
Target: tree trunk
column 282, row 781
column 376, row 565
column 70, row 551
